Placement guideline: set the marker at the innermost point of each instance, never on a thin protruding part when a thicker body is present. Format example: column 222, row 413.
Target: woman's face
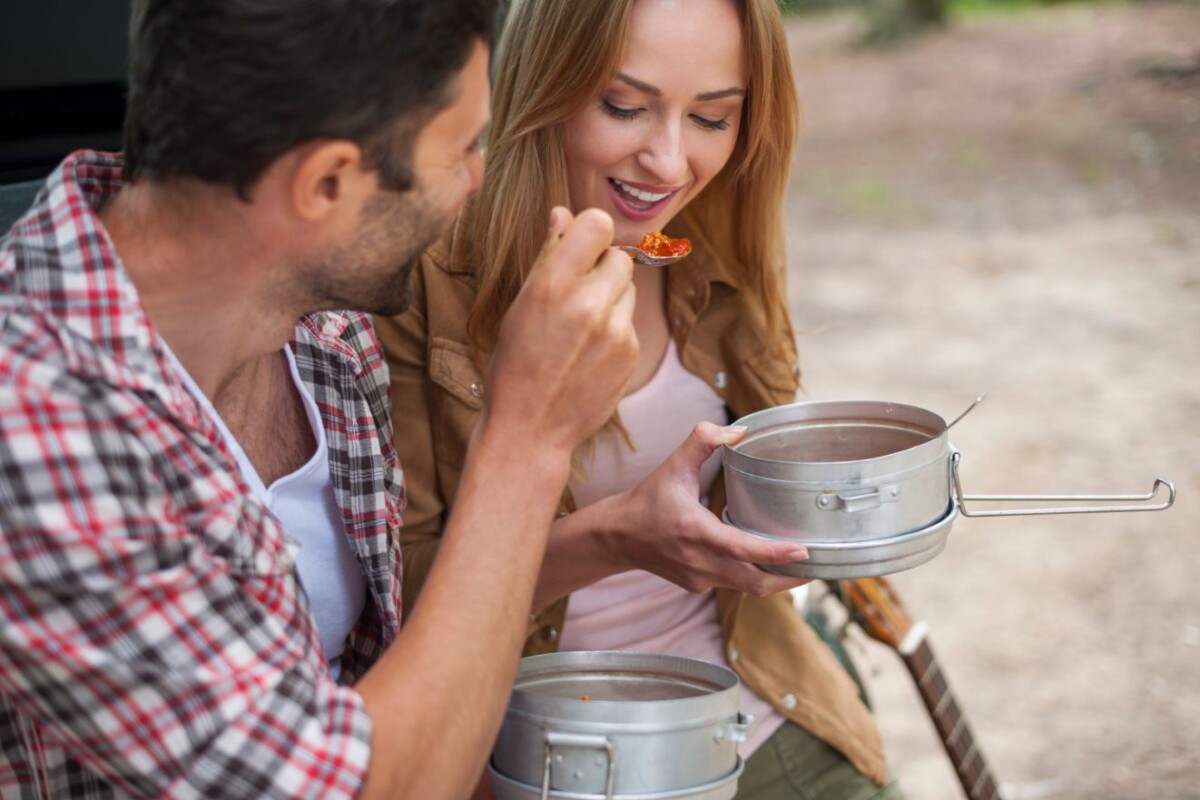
column 667, row 122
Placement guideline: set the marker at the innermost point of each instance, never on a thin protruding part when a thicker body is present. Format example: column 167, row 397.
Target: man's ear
column 329, row 179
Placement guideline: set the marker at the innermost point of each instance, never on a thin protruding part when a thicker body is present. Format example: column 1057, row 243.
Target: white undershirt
column 637, row 610
column 304, row 502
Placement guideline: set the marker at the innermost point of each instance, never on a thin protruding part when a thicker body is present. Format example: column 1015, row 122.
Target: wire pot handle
column 583, row 741
column 1141, row 500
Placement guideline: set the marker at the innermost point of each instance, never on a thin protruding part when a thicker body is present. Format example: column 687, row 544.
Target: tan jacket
column 436, row 394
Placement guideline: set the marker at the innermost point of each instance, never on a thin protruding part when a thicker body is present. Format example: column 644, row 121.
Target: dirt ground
column 1012, row 206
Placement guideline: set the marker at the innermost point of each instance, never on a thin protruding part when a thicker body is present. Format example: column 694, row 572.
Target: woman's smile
column 638, row 201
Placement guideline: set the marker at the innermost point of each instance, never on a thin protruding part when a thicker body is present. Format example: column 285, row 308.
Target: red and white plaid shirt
column 154, row 640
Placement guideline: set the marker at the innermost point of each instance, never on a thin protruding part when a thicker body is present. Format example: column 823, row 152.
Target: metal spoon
column 642, row 257
column 978, row 400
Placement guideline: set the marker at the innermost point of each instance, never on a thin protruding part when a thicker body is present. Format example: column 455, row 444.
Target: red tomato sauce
column 662, row 246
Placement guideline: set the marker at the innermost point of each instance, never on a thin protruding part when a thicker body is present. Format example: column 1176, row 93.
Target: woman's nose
column 664, row 155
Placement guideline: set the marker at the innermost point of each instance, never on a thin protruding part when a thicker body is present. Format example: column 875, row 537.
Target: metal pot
column 839, row 471
column 868, row 487
column 620, row 725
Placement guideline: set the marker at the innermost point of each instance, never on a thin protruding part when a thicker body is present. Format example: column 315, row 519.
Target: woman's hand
column 661, row 527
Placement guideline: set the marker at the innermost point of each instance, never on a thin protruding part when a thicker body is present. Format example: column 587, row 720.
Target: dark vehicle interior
column 62, row 88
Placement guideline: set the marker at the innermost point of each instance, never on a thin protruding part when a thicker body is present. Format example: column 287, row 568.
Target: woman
column 667, row 115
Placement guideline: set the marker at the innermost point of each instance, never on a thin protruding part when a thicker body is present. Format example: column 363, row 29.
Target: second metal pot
column 617, row 724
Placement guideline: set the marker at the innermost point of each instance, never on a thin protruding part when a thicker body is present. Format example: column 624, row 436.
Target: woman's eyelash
column 629, row 113
column 711, row 124
column 617, row 111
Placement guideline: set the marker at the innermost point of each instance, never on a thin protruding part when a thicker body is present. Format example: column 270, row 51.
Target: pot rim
column 849, row 472
column 631, row 714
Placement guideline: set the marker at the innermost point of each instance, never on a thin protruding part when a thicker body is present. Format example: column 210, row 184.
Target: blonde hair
column 552, row 59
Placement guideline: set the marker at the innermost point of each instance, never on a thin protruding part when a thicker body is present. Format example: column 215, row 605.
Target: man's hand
column 664, row 529
column 567, row 346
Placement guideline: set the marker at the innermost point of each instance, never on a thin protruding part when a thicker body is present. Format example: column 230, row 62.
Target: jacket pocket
column 456, row 398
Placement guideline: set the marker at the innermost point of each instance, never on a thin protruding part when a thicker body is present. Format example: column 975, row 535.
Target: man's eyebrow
column 654, row 91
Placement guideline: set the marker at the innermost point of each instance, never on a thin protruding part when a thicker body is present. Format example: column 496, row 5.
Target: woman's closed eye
column 711, row 124
column 621, row 112
column 618, row 111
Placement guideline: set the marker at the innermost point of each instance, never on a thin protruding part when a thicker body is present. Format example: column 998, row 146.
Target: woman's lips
column 637, row 203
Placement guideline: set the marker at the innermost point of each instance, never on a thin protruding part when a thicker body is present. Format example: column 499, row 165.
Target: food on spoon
column 660, row 245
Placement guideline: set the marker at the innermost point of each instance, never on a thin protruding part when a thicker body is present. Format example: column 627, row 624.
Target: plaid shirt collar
column 110, row 336
column 88, row 299
column 92, row 307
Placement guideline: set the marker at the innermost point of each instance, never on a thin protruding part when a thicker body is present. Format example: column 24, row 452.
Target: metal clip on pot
column 1080, row 498
column 584, row 742
column 738, row 731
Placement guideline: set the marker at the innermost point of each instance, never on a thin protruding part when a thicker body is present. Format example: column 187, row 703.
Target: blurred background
column 1004, row 197
column 996, row 196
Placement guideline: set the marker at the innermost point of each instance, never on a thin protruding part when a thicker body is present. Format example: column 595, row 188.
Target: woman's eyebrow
column 732, row 91
column 641, row 86
column 654, row 91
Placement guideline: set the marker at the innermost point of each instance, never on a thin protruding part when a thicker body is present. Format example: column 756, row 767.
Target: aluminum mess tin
column 868, row 487
column 836, row 472
column 635, row 726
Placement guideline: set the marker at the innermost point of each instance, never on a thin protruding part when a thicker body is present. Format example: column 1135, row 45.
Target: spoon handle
column 978, row 400
column 642, row 257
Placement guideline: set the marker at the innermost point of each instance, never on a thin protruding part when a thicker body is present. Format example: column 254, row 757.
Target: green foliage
column 891, row 11
column 891, row 21
column 961, row 9
column 809, row 6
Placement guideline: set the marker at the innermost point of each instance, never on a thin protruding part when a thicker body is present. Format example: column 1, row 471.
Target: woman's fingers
column 700, row 444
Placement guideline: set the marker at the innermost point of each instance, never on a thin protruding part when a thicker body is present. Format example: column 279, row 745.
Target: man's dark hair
column 219, row 89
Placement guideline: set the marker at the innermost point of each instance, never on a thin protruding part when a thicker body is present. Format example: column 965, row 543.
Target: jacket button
column 734, row 655
column 789, row 701
column 476, row 390
column 550, row 633
column 720, row 380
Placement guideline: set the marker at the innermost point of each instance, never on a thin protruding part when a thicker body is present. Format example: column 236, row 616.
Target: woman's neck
column 650, row 322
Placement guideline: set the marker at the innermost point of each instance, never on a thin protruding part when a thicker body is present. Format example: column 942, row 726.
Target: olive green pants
column 795, row 765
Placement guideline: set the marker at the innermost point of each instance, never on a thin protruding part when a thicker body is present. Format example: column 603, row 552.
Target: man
column 174, row 382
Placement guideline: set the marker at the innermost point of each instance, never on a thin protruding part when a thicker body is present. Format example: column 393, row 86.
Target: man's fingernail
column 736, row 428
column 798, row 555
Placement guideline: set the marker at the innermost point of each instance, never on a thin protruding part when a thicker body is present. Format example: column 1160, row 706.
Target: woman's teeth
column 639, row 199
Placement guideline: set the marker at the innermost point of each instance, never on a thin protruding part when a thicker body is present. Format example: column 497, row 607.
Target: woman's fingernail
column 736, row 428
column 798, row 555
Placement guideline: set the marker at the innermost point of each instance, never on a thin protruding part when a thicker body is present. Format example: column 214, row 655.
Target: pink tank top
column 637, row 610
